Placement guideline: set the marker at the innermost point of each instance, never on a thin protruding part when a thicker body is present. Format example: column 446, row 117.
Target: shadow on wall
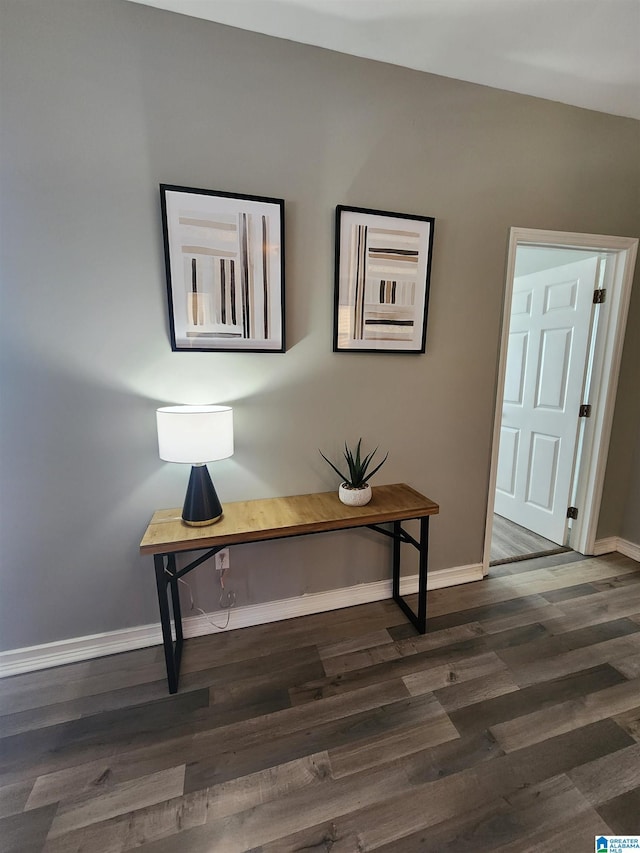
column 80, row 478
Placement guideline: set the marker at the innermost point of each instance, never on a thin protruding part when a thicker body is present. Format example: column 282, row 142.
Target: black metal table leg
column 397, row 539
column 422, row 575
column 399, row 535
column 175, row 600
column 165, row 577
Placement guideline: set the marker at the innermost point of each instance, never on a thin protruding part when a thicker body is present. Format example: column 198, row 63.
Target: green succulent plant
column 358, row 466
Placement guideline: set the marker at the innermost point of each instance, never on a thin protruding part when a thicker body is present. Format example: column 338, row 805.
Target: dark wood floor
column 512, row 725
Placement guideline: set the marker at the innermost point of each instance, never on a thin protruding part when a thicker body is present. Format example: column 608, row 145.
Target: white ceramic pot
column 354, row 497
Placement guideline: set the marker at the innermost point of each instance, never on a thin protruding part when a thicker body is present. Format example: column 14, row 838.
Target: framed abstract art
column 225, row 270
column 383, row 266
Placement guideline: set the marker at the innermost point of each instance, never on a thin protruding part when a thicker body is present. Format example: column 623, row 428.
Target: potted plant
column 355, row 489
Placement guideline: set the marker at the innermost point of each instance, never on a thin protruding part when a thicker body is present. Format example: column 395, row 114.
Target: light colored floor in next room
column 509, row 541
column 513, row 725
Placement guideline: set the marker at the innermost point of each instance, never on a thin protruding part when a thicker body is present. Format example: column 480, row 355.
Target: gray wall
column 630, row 528
column 102, row 101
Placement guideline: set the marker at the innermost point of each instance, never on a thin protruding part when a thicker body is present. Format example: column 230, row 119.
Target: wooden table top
column 277, row 518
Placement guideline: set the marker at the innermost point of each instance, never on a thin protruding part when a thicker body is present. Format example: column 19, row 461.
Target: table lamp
column 197, row 435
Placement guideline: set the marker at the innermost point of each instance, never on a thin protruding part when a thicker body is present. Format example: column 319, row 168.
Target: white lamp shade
column 195, row 434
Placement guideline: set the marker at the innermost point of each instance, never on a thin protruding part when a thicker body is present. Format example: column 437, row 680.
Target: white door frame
column 595, row 441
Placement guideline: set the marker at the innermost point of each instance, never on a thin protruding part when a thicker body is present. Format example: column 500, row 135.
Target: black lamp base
column 201, row 504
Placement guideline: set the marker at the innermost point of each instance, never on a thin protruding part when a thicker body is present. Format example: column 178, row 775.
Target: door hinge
column 599, row 296
column 572, row 512
column 585, row 411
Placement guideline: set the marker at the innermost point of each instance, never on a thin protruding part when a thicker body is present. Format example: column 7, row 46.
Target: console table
column 279, row 518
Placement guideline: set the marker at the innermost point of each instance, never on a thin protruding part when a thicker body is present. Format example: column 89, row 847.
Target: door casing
column 589, row 478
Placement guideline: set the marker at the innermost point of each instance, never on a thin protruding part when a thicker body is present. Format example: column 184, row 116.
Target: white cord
column 200, row 610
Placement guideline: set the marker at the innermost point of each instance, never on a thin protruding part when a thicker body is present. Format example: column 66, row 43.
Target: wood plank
column 381, row 749
column 600, row 607
column 454, row 673
column 482, row 614
column 554, row 645
column 66, row 689
column 548, row 722
column 76, row 780
column 167, row 819
column 622, row 813
column 14, row 797
column 131, row 830
column 451, row 757
column 615, row 582
column 429, row 805
column 527, row 616
column 384, row 819
column 496, row 684
column 440, row 639
column 274, row 518
column 284, row 667
column 559, row 596
column 123, row 798
column 572, row 661
column 343, row 683
column 554, row 756
column 322, row 837
column 511, row 706
column 360, row 659
column 26, row 833
column 609, row 776
column 434, row 728
column 93, row 706
column 574, row 835
column 220, row 654
column 532, row 805
column 357, row 660
column 332, row 649
column 43, row 680
column 277, row 818
column 97, row 735
column 219, row 761
column 536, row 808
column 494, row 825
column 232, row 705
column 464, row 833
column 630, row 722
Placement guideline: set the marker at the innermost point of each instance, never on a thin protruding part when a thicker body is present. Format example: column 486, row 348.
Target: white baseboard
column 617, row 543
column 32, row 658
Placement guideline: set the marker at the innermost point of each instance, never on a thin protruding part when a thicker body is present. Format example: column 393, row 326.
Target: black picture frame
column 224, row 258
column 382, row 280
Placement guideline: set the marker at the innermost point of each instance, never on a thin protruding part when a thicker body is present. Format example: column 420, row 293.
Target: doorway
column 565, row 307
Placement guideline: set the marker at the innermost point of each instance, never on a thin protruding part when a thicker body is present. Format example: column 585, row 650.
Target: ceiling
column 581, row 52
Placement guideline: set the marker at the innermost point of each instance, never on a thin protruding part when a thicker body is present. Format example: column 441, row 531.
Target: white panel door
column 546, row 361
